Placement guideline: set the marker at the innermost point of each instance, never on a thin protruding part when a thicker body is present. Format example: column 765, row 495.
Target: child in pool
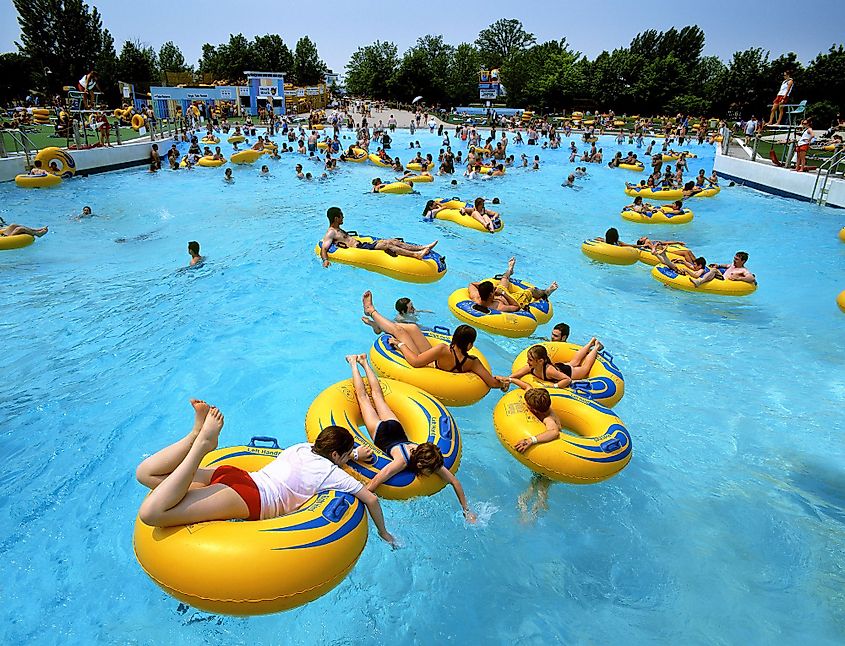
column 560, row 374
column 388, row 435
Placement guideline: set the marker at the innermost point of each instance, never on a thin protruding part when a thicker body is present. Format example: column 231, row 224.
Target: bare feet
column 361, row 358
column 351, row 359
column 200, row 413
column 375, row 327
column 210, row 431
column 551, row 288
column 367, row 301
column 599, row 346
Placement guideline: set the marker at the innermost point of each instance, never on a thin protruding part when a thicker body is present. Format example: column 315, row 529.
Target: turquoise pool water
column 726, row 527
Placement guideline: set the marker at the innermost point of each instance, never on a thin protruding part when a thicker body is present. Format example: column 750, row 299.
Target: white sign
column 197, row 95
column 487, row 94
column 290, row 92
column 300, row 91
column 226, row 93
column 243, row 90
column 264, row 90
column 125, row 91
column 312, row 91
column 161, row 96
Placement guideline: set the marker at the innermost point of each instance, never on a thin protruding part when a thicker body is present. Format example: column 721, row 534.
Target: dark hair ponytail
column 331, row 439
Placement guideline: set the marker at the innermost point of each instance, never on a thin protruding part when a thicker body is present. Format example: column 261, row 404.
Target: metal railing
column 20, row 142
column 831, row 168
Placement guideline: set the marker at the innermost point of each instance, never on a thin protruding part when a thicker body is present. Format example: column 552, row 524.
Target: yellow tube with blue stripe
column 423, row 417
column 597, row 447
column 261, row 566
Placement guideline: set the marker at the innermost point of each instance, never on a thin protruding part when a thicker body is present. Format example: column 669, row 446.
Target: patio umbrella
column 419, row 98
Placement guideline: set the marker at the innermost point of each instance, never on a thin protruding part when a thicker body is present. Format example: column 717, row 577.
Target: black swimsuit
column 459, row 365
column 390, row 433
column 565, row 368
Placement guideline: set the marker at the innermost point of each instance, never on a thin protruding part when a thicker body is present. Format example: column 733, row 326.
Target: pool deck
column 736, row 165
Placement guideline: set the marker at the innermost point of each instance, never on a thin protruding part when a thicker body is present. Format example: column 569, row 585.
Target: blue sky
column 339, row 28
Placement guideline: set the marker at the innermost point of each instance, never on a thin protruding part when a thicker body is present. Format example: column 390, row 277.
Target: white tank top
column 806, row 138
column 784, row 88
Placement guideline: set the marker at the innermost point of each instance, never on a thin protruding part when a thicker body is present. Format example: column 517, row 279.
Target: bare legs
column 405, row 249
column 19, row 229
column 407, row 333
column 373, row 411
column 183, row 495
column 583, row 360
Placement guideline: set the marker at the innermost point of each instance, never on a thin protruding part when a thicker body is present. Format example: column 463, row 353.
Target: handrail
column 830, row 163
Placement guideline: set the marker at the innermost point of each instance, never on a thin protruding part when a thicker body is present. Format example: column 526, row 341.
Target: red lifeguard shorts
column 779, row 99
column 243, row 485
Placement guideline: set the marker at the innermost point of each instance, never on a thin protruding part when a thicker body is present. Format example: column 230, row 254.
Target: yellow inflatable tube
column 599, row 448
column 256, row 567
column 456, row 216
column 246, row 156
column 605, row 383
column 658, row 216
column 842, row 234
column 610, row 254
column 360, row 156
column 451, row 388
column 674, row 280
column 210, row 162
column 455, row 203
column 378, row 161
column 211, row 141
column 510, row 324
column 423, row 417
column 138, row 122
column 413, row 179
column 236, row 139
column 15, row 242
column 667, row 193
column 634, row 167
column 37, row 181
column 428, row 270
column 397, row 188
column 67, row 166
column 419, row 167
column 840, row 300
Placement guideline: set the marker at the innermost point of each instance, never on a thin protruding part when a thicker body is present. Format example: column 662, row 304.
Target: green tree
column 171, row 59
column 371, row 70
column 16, row 74
column 546, row 76
column 308, row 68
column 64, row 36
column 746, row 83
column 271, row 54
column 501, row 40
column 424, row 70
column 228, row 61
column 824, row 80
column 106, row 67
column 138, row 64
column 463, row 74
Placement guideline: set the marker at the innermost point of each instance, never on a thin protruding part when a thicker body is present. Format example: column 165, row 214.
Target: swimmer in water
column 194, row 251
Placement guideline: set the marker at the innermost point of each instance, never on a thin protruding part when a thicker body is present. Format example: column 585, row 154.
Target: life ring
column 599, row 449
column 451, row 388
column 236, row 139
column 604, row 384
column 668, row 158
column 423, row 417
column 459, row 217
column 16, row 242
column 511, row 324
column 40, row 111
column 638, row 168
column 138, row 122
column 428, row 270
column 672, row 279
column 210, row 162
column 453, row 203
column 211, row 141
column 322, row 145
column 397, row 188
column 360, row 155
column 248, row 156
column 840, row 300
column 842, row 234
column 376, row 160
column 67, row 166
column 419, row 167
column 658, row 216
column 610, row 254
column 618, row 122
column 37, row 181
column 215, row 566
column 479, row 149
column 667, row 193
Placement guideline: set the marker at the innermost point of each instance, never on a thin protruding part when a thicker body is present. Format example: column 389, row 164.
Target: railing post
column 117, row 131
column 3, row 146
column 75, row 126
